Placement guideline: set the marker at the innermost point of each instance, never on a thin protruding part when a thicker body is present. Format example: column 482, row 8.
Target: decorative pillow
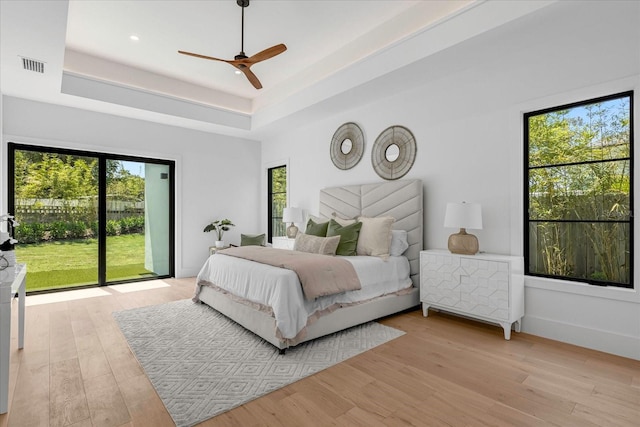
column 317, row 219
column 343, row 221
column 316, row 229
column 348, row 237
column 399, row 242
column 252, row 239
column 316, row 245
column 375, row 236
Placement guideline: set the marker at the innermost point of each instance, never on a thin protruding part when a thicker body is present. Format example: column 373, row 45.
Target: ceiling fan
column 241, row 61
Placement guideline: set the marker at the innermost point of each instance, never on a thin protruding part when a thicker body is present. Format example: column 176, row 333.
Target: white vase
column 219, row 244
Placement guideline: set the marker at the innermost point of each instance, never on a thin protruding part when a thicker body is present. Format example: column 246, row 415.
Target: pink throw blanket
column 319, row 275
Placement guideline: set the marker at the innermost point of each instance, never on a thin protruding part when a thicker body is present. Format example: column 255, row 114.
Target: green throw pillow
column 348, row 237
column 316, row 229
column 252, row 240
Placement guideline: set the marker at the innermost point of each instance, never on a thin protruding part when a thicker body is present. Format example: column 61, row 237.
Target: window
column 277, row 200
column 579, row 191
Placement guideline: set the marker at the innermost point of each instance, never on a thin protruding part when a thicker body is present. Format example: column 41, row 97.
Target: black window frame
column 527, row 168
column 270, row 193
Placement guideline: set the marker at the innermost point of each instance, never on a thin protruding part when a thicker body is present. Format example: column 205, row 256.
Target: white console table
column 12, row 280
column 483, row 286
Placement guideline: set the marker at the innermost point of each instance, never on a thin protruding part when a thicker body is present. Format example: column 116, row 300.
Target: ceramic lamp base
column 292, row 231
column 463, row 243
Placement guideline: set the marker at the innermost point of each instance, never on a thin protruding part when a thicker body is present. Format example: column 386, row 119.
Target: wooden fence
column 591, row 251
column 50, row 210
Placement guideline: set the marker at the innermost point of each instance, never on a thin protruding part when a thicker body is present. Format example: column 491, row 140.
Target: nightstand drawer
column 281, row 242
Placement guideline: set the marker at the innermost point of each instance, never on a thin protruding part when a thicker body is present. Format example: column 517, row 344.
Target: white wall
column 466, row 114
column 216, row 176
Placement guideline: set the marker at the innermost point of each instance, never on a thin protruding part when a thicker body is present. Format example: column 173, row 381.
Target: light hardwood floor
column 77, row 370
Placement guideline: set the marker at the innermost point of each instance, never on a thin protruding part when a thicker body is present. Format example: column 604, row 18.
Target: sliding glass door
column 138, row 220
column 90, row 218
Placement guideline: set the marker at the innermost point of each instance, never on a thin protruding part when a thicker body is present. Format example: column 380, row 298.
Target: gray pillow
column 315, row 244
column 252, row 239
column 399, row 242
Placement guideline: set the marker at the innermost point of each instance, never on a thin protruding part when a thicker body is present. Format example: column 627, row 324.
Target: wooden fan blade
column 252, row 77
column 267, row 53
column 197, row 55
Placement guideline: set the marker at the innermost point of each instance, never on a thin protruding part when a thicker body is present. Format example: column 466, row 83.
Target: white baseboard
column 606, row 341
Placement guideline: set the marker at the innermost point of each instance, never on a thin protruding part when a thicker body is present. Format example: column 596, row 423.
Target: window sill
column 577, row 288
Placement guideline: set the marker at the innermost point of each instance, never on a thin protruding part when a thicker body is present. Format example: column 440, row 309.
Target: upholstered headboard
column 400, row 199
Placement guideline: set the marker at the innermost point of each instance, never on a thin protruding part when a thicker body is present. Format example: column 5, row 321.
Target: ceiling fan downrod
column 242, row 4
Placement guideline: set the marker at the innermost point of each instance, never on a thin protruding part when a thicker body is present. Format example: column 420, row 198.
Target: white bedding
column 279, row 288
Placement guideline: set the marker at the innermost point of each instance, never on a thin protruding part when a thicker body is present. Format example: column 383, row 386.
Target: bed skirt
column 263, row 325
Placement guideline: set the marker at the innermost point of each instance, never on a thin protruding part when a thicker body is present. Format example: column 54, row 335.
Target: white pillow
column 315, row 244
column 399, row 242
column 316, row 219
column 343, row 221
column 375, row 236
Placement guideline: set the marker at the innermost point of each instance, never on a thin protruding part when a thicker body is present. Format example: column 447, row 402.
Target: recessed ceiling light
column 238, row 72
column 134, row 37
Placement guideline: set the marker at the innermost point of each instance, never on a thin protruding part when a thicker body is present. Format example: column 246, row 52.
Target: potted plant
column 219, row 226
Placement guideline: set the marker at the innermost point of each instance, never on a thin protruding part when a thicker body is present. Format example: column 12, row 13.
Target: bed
column 269, row 300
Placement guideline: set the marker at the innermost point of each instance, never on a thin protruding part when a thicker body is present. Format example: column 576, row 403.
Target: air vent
column 32, row 65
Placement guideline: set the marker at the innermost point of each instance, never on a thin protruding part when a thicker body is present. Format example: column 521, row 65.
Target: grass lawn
column 69, row 263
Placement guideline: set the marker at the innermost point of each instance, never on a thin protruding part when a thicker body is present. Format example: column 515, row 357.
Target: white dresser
column 483, row 286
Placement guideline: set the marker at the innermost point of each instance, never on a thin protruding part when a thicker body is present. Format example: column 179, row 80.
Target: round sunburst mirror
column 394, row 152
column 347, row 146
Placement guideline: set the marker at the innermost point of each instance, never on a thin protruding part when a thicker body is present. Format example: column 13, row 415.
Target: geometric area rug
column 203, row 364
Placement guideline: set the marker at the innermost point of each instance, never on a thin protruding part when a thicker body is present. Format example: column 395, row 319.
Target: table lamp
column 463, row 215
column 292, row 215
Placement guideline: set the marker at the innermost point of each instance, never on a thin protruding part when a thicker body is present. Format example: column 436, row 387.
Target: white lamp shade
column 292, row 215
column 463, row 215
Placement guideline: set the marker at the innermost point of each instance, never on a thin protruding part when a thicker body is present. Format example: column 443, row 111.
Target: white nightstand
column 282, row 242
column 213, row 249
column 483, row 286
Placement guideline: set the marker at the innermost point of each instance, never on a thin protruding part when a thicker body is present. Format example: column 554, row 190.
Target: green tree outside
column 279, row 199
